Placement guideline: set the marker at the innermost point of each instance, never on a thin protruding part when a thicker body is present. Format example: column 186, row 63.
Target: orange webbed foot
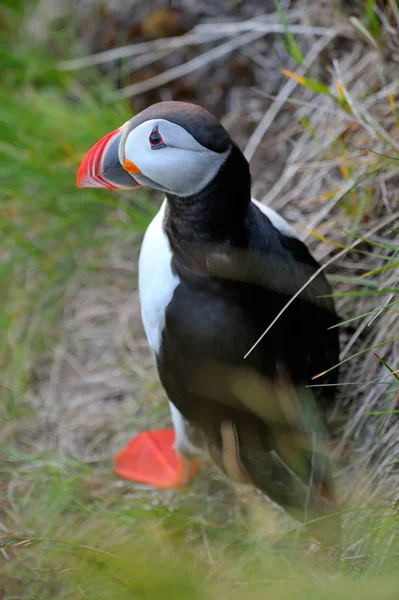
column 151, row 458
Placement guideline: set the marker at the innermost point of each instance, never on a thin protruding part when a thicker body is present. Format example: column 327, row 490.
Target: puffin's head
column 175, row 147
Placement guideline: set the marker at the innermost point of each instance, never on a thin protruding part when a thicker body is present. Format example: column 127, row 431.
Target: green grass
column 80, row 536
column 80, row 540
column 48, row 227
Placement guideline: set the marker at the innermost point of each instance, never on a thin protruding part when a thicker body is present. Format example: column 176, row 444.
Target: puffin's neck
column 217, row 213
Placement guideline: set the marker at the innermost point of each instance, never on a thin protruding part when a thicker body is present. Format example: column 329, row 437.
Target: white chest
column 156, row 280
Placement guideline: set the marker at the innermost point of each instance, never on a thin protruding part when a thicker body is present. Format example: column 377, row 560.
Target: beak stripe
column 90, row 169
column 102, row 168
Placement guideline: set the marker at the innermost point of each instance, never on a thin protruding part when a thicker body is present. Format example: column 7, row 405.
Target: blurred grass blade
column 366, row 314
column 380, row 270
column 324, row 239
column 384, row 362
column 354, row 280
column 372, row 18
column 363, row 30
column 316, row 86
column 25, row 542
column 290, row 43
column 393, row 247
column 355, row 356
column 357, row 294
column 392, row 104
column 344, row 246
column 388, row 158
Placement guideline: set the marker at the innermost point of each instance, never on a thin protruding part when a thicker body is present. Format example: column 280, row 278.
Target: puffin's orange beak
column 101, row 167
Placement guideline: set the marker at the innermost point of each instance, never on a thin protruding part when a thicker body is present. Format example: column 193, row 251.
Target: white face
column 175, row 163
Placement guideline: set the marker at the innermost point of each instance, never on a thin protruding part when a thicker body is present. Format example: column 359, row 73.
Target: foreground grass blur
column 117, row 550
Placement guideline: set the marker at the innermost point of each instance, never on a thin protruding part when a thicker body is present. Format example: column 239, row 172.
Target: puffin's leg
column 184, row 446
column 184, row 431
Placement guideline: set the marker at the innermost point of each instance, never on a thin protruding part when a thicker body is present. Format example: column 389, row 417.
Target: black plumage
column 236, row 272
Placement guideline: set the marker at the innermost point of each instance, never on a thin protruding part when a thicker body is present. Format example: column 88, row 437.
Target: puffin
column 216, row 268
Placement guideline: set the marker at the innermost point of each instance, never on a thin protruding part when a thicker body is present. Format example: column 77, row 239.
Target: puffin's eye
column 156, row 139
